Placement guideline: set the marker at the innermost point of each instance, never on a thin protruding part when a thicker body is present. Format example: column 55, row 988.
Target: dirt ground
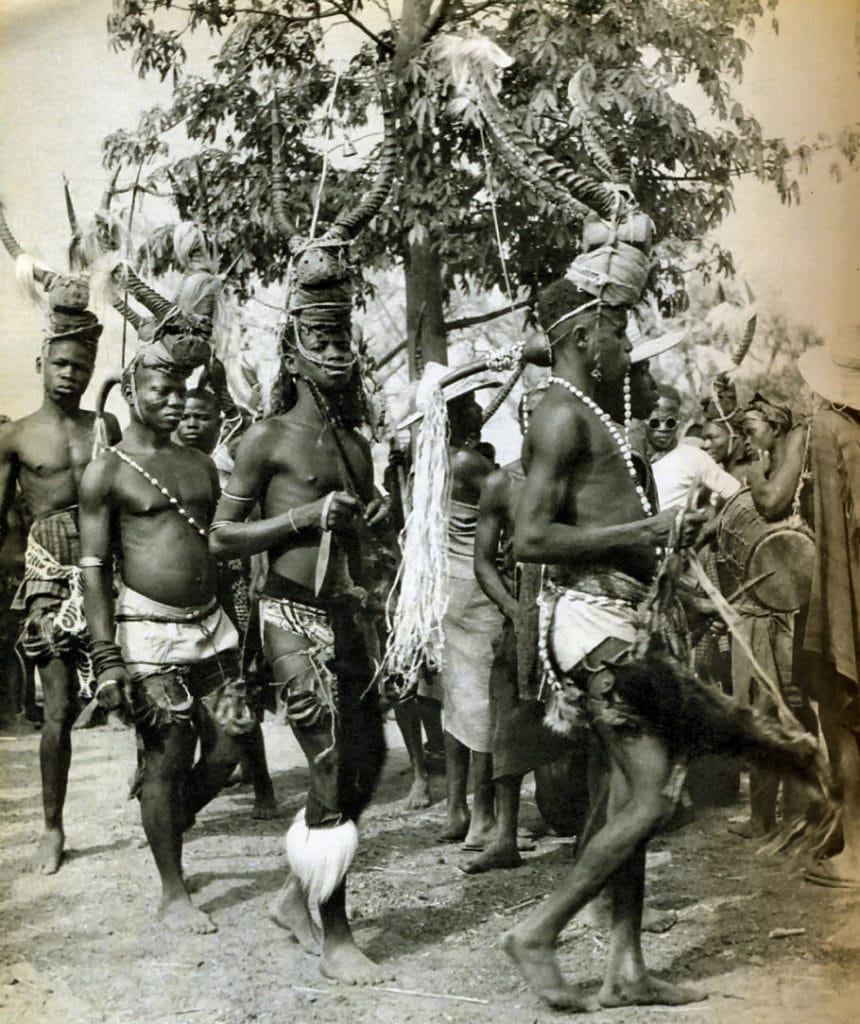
column 82, row 946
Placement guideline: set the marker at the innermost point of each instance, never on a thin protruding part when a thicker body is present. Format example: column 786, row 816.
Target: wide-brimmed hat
column 833, row 371
column 451, row 383
column 650, row 348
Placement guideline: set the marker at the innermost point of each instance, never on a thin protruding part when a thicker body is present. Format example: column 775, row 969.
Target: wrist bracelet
column 91, row 562
column 104, row 684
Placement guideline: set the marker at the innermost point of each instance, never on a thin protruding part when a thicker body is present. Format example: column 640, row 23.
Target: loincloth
column 326, row 683
column 584, row 630
column 177, row 657
column 307, row 693
column 471, row 625
column 51, row 597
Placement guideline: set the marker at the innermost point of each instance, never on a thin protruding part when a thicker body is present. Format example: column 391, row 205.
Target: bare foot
column 479, row 836
column 496, row 856
column 289, row 910
column 265, row 808
column 657, row 922
column 646, row 991
column 180, row 915
column 419, row 795
column 747, row 829
column 49, row 853
column 345, row 962
column 540, row 969
column 456, row 827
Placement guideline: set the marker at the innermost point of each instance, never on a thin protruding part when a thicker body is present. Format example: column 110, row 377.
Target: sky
column 62, row 90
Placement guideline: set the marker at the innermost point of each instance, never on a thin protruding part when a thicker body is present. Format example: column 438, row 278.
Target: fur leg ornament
column 320, row 857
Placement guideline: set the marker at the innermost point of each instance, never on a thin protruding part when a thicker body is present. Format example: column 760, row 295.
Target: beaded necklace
column 192, row 522
column 615, row 432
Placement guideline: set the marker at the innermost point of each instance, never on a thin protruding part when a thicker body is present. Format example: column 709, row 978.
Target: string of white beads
column 616, row 434
column 159, row 486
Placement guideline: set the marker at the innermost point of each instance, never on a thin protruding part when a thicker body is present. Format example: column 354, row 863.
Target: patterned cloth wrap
column 575, row 620
column 51, row 597
column 179, row 656
column 326, row 683
column 309, row 695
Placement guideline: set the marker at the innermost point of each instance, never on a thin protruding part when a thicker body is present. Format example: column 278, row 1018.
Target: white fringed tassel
column 26, row 278
column 416, row 635
column 320, row 857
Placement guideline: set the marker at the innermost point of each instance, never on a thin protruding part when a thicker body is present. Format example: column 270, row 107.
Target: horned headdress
column 319, row 289
column 69, row 319
column 613, row 265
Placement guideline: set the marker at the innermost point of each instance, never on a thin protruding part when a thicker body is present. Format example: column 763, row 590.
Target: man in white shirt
column 679, row 467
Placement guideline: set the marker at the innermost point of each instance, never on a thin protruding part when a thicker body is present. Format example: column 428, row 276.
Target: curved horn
column 40, row 274
column 351, row 220
column 510, row 137
column 500, row 396
column 279, row 186
column 597, row 134
column 149, row 297
column 132, row 315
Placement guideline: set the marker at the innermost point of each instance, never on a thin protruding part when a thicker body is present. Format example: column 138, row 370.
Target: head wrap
column 777, row 414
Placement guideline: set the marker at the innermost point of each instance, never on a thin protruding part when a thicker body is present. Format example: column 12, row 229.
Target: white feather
column 320, row 857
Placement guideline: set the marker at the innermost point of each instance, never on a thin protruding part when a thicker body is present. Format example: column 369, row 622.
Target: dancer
column 583, row 511
column 175, row 660
column 310, row 470
column 45, row 454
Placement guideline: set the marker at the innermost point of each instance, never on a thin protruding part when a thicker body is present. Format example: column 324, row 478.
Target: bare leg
column 342, row 960
column 502, row 851
column 55, row 755
column 408, row 719
column 627, row 981
column 252, row 750
column 483, row 805
column 843, row 745
column 456, row 777
column 168, row 754
column 289, row 909
column 641, row 768
column 430, row 711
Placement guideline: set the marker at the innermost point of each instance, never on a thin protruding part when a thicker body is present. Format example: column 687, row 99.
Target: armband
column 236, row 497
column 292, row 521
column 91, row 562
column 219, row 523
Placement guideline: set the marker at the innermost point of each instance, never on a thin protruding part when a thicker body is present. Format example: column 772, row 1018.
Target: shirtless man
column 45, row 454
column 522, row 740
column 311, row 473
column 582, row 512
column 175, row 661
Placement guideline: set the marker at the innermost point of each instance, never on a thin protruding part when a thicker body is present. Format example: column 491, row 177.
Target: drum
column 778, row 555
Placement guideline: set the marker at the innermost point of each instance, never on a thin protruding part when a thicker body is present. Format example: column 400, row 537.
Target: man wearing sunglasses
column 680, row 467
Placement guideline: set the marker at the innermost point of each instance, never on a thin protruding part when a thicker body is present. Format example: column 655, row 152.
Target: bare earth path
column 82, row 947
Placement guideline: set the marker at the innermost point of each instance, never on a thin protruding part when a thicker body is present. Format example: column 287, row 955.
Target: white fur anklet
column 320, row 857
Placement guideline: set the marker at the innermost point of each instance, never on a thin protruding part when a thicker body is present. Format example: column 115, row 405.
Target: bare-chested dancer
column 581, row 512
column 45, row 454
column 175, row 661
column 311, row 473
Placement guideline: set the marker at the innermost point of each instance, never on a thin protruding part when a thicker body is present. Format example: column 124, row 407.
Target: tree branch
column 350, row 17
column 483, row 318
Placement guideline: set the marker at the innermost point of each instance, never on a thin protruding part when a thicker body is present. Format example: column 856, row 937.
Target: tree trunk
column 425, row 308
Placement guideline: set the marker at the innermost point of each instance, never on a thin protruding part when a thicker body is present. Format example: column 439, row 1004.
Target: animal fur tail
column 694, row 718
column 320, row 857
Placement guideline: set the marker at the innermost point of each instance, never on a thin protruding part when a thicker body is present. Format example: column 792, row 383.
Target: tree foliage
column 647, row 57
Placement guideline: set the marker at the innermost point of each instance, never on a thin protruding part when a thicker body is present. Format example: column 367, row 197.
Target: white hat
column 434, row 376
column 833, row 371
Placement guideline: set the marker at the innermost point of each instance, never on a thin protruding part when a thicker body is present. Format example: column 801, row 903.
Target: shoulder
column 494, row 491
column 556, row 425
column 98, row 477
column 262, row 438
column 9, row 438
